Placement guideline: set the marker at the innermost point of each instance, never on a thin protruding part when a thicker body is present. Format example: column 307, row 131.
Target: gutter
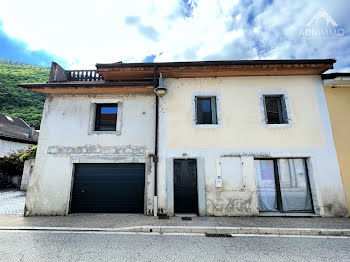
column 155, row 157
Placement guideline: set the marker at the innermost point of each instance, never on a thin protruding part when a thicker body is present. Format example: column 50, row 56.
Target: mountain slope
column 16, row 101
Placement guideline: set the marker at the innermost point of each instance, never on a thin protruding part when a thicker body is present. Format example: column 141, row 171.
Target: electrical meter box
column 218, row 182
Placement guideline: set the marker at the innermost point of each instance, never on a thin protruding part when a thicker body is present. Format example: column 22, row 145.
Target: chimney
column 31, row 132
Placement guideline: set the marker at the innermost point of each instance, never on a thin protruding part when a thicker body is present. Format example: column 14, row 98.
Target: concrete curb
column 248, row 230
column 203, row 230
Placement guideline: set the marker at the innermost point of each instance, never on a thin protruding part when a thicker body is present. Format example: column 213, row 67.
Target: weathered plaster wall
column 7, row 147
column 27, row 173
column 65, row 139
column 242, row 134
column 338, row 101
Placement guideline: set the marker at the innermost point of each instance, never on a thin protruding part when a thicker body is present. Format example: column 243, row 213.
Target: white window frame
column 284, row 95
column 118, row 130
column 218, row 109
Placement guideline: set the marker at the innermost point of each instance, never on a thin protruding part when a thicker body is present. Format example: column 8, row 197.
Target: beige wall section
column 241, row 118
column 243, row 135
column 338, row 101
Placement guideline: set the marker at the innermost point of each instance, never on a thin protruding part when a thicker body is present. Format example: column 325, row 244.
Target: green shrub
column 14, row 162
column 30, row 153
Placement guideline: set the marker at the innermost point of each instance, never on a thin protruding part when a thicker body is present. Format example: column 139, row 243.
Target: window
column 206, row 111
column 275, row 109
column 283, row 185
column 106, row 117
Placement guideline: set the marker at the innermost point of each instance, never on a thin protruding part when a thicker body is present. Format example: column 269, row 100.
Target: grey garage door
column 108, row 188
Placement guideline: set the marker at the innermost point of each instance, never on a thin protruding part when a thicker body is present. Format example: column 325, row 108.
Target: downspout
column 155, row 158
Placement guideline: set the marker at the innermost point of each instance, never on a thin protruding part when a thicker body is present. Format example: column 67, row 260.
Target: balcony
column 83, row 75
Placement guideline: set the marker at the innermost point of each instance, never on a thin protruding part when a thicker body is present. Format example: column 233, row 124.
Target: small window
column 275, row 109
column 106, row 117
column 206, row 111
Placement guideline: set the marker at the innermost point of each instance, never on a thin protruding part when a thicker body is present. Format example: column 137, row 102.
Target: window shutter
column 264, row 108
column 284, row 109
column 195, row 110
column 213, row 110
column 97, row 116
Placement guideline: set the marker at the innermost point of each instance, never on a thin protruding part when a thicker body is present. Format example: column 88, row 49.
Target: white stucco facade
column 66, row 139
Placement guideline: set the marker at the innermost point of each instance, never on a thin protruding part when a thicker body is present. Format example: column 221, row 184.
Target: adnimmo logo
column 322, row 25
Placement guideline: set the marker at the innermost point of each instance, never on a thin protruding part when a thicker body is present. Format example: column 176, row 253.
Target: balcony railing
column 83, row 75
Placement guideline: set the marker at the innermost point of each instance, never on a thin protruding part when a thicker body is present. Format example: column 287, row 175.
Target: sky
column 78, row 34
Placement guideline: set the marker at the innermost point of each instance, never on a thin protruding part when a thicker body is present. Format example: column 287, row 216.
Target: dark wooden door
column 185, row 186
column 108, row 188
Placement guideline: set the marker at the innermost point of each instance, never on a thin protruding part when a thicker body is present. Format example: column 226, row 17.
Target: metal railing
column 83, row 75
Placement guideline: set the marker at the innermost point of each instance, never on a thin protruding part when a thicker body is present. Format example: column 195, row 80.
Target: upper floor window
column 206, row 110
column 275, row 109
column 106, row 117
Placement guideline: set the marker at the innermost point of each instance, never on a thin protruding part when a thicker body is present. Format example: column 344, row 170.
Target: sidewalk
column 12, row 201
column 215, row 225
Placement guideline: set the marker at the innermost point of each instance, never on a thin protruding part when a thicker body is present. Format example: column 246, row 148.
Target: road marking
column 183, row 234
column 165, row 234
column 295, row 236
column 102, row 232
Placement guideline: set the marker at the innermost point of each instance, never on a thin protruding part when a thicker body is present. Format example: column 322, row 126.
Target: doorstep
column 185, row 215
column 279, row 214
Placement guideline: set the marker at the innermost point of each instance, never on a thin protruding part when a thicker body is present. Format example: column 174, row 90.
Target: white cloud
column 86, row 32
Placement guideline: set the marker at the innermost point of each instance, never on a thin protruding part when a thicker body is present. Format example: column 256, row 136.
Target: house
column 337, row 91
column 15, row 134
column 212, row 138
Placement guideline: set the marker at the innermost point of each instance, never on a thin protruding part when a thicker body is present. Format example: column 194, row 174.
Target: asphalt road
column 101, row 246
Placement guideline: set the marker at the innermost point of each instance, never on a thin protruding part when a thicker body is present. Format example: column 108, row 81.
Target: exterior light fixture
column 160, row 90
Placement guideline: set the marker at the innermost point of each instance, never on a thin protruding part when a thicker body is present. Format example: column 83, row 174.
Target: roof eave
column 86, row 84
column 335, row 75
column 218, row 62
column 19, row 140
column 243, row 68
column 91, row 87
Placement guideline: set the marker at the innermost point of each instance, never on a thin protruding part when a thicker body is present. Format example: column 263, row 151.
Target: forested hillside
column 16, row 101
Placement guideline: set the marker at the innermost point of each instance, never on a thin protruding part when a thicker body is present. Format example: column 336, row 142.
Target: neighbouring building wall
column 66, row 138
column 338, row 101
column 27, row 173
column 7, row 147
column 241, row 137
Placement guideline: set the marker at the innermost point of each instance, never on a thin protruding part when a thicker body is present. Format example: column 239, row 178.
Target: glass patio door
column 294, row 185
column 266, row 185
column 283, row 185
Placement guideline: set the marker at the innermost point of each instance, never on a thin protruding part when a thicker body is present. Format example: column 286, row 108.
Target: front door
column 185, row 186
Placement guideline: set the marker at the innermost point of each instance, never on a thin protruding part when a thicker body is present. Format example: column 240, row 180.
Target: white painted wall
column 242, row 134
column 7, row 147
column 65, row 139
